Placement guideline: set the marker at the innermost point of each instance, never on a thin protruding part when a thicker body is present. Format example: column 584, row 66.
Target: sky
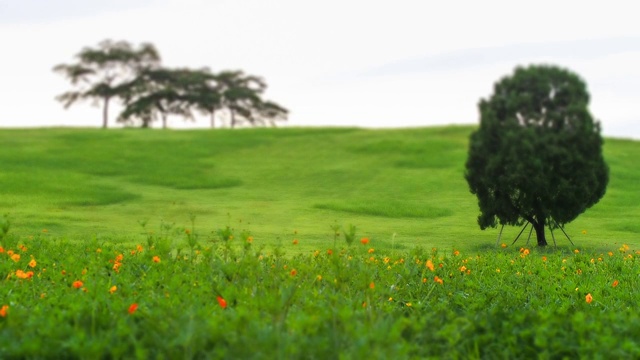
column 366, row 63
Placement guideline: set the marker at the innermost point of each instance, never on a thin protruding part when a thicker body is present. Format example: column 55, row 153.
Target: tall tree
column 99, row 73
column 162, row 91
column 241, row 96
column 537, row 155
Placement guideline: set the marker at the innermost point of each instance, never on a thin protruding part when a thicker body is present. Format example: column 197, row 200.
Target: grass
column 231, row 244
column 406, row 185
column 217, row 300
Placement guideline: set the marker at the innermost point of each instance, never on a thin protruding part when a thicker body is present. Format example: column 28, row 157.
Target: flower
column 24, row 275
column 33, row 263
column 463, row 268
column 293, row 272
column 319, row 278
column 370, row 251
column 156, row 259
column 113, row 289
column 503, row 245
column 429, row 265
column 576, row 251
column 544, row 258
column 329, row 252
column 372, row 285
column 3, row 310
column 615, row 283
column 15, row 257
column 250, row 239
column 295, row 241
column 588, row 298
column 133, row 308
column 456, row 252
column 438, row 280
column 77, row 284
column 364, row 241
column 408, row 304
column 222, row 302
column 584, row 232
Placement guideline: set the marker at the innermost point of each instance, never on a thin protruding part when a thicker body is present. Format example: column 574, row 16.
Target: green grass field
column 401, row 188
column 238, row 256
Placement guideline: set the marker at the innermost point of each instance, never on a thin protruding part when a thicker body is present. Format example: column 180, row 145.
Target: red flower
column 133, row 308
column 77, row 284
column 222, row 302
column 364, row 241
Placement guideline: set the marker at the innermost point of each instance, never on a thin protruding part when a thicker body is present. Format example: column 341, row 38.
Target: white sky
column 366, row 63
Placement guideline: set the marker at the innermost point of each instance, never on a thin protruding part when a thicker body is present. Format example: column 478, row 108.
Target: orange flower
column 371, row 250
column 3, row 310
column 116, row 266
column 438, row 280
column 588, row 298
column 503, row 245
column 222, row 302
column 295, row 241
column 526, row 252
column 456, row 252
column 615, row 283
column 1, row 250
column 24, row 275
column 77, row 284
column 133, row 308
column 544, row 258
column 576, row 251
column 15, row 257
column 113, row 289
column 22, row 248
column 250, row 239
column 364, row 241
column 329, row 252
column 429, row 265
column 156, row 259
column 33, row 263
column 372, row 285
column 294, row 272
column 119, row 258
column 463, row 268
column 139, row 248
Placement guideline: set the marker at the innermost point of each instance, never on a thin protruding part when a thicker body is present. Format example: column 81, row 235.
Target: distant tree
column 241, row 96
column 537, row 155
column 100, row 72
column 162, row 91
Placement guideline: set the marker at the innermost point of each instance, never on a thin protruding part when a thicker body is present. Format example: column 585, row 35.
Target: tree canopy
column 100, row 72
column 537, row 156
column 150, row 92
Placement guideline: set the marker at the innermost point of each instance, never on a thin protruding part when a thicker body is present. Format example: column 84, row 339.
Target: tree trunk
column 164, row 121
column 105, row 112
column 233, row 119
column 539, row 227
column 213, row 118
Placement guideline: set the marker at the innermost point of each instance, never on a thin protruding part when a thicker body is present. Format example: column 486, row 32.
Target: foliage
column 89, row 182
column 537, row 156
column 100, row 72
column 149, row 91
column 231, row 297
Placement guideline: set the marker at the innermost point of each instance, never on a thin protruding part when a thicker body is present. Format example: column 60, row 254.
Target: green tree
column 537, row 155
column 162, row 91
column 241, row 95
column 100, row 72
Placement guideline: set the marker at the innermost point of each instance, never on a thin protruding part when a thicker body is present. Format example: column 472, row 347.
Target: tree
column 162, row 92
column 100, row 72
column 537, row 155
column 241, row 96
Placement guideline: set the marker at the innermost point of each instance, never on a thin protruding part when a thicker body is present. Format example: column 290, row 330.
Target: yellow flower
column 371, row 251
column 113, row 289
column 408, row 304
column 319, row 278
column 503, row 245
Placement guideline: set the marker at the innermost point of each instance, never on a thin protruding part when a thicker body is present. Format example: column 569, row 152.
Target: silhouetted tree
column 537, row 156
column 100, row 72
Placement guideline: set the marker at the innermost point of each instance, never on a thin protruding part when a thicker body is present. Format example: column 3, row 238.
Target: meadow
column 296, row 243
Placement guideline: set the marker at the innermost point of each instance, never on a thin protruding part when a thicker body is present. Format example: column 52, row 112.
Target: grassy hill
column 401, row 187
